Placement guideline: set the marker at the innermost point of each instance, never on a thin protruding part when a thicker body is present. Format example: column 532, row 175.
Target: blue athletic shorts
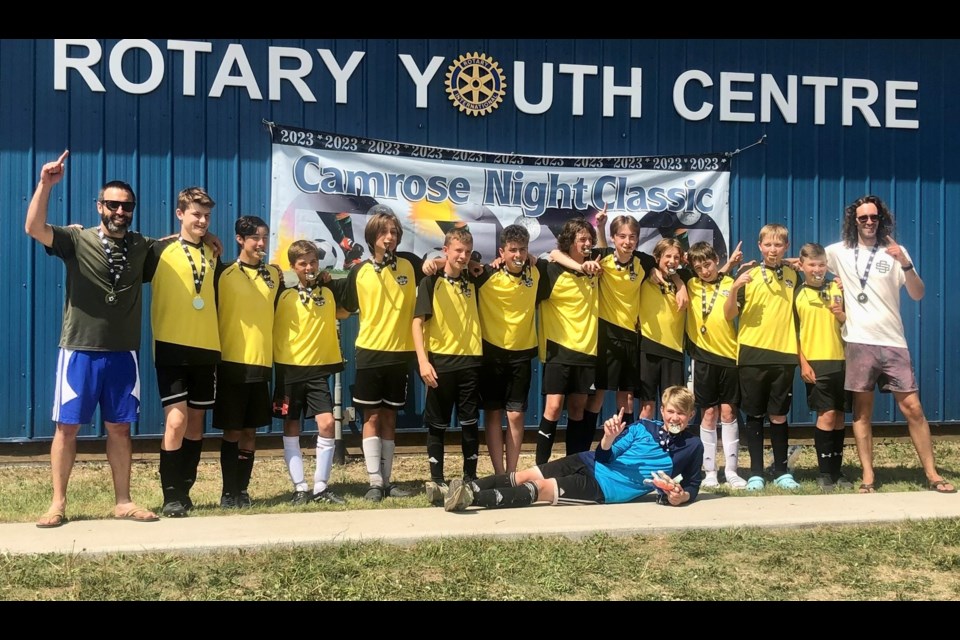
column 85, row 379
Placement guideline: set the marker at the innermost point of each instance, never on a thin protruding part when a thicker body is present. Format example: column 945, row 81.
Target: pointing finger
column 63, row 156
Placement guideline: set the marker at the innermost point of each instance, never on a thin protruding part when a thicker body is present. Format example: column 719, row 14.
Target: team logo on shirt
column 883, row 266
column 789, row 284
column 401, row 280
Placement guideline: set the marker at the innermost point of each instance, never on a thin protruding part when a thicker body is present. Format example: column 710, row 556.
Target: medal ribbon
column 116, row 261
column 703, row 299
column 866, row 271
column 778, row 271
column 197, row 278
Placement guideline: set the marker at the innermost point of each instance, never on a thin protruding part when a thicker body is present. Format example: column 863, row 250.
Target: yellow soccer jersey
column 385, row 298
column 711, row 338
column 305, row 327
column 620, row 288
column 661, row 323
column 245, row 304
column 768, row 333
column 819, row 329
column 184, row 321
column 569, row 308
column 508, row 309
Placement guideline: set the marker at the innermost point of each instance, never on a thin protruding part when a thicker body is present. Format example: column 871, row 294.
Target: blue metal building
column 839, row 119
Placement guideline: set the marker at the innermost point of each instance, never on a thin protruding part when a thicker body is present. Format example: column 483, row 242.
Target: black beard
column 112, row 227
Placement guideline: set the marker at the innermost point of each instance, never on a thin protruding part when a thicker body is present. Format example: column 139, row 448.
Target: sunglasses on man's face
column 868, row 218
column 113, row 205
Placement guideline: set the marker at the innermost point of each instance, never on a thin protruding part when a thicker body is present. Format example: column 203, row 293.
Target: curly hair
column 884, row 223
column 569, row 232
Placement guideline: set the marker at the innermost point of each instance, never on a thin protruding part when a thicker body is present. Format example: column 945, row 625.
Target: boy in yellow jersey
column 186, row 346
column 507, row 304
column 383, row 289
column 766, row 352
column 447, row 339
column 567, row 337
column 662, row 318
column 247, row 292
column 820, row 315
column 306, row 349
column 712, row 345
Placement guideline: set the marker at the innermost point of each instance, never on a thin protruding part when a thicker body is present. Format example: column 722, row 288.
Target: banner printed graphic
column 324, row 184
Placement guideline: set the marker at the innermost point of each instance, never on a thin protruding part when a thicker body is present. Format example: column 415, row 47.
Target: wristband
column 909, row 267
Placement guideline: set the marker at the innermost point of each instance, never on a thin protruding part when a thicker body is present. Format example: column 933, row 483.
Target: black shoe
column 228, row 501
column 301, row 497
column 374, row 494
column 826, row 484
column 393, row 491
column 328, row 496
column 244, row 501
column 187, row 503
column 174, row 509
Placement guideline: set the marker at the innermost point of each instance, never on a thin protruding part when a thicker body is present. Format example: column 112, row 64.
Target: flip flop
column 51, row 520
column 137, row 514
column 867, row 488
column 938, row 486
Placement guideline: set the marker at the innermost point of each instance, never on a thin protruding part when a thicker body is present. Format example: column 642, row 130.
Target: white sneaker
column 710, row 480
column 735, row 481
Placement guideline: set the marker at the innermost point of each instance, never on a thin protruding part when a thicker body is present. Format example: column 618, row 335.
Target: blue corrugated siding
column 801, row 176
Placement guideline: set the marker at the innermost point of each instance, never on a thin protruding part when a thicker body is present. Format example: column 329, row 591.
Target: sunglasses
column 868, row 218
column 113, row 205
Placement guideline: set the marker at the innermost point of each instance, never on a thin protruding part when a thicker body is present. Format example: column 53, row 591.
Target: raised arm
column 36, row 223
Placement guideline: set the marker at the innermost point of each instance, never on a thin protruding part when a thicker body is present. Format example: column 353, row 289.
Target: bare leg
column 647, row 408
column 175, row 418
column 493, row 430
column 120, row 455
column 863, row 432
column 919, row 432
column 63, row 453
column 514, row 438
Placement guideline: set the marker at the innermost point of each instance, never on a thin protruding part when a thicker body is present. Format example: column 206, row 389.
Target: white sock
column 709, row 439
column 324, row 463
column 730, row 433
column 387, row 448
column 293, row 456
column 371, row 455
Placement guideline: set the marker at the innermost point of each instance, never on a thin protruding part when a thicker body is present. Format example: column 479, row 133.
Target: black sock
column 823, row 443
column 545, row 436
column 579, row 435
column 470, row 446
column 838, row 435
column 589, row 429
column 778, row 442
column 244, row 468
column 170, row 481
column 754, row 430
column 192, row 450
column 435, row 453
column 522, row 496
column 229, row 451
column 492, row 482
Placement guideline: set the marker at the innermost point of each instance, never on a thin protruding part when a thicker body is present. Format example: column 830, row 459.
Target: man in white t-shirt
column 873, row 267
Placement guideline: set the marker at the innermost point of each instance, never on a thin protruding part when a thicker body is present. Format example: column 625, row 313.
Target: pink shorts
column 870, row 365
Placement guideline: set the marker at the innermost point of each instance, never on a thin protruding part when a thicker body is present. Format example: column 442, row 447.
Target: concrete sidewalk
column 406, row 526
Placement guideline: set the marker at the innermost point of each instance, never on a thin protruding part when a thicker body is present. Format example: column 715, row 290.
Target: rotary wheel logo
column 475, row 84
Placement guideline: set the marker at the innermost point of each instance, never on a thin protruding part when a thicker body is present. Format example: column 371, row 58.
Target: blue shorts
column 85, row 379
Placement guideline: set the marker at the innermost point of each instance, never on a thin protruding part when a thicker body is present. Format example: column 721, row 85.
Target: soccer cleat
column 736, row 482
column 436, row 492
column 843, row 483
column 662, row 481
column 786, row 481
column 710, row 480
column 825, row 482
column 173, row 509
column 393, row 491
column 374, row 494
column 755, row 483
column 327, row 496
column 301, row 497
column 351, row 253
column 459, row 496
column 229, row 501
column 244, row 501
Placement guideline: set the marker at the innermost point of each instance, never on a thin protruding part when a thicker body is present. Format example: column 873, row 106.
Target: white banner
column 324, row 184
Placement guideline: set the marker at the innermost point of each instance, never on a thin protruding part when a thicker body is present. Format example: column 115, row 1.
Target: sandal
column 52, row 519
column 940, row 486
column 867, row 488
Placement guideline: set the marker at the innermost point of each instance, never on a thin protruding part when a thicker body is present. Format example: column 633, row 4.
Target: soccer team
column 600, row 318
